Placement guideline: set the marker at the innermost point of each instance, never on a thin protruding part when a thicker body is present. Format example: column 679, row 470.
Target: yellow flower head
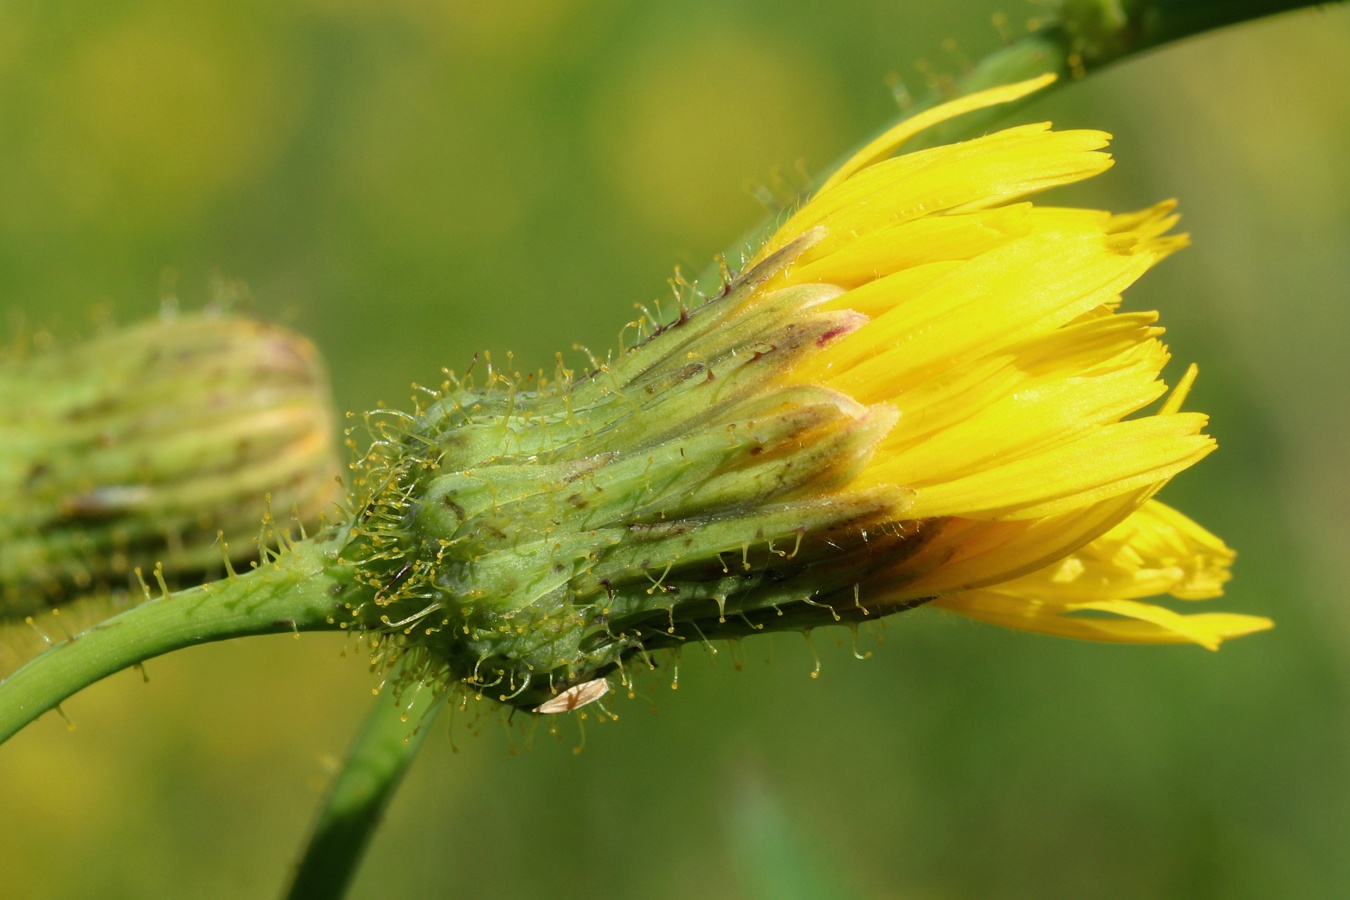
column 919, row 390
column 989, row 328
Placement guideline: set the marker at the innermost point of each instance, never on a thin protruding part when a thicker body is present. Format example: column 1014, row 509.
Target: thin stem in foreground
column 355, row 803
column 298, row 591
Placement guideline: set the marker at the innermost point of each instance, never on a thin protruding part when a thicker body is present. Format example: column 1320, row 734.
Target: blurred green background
column 411, row 182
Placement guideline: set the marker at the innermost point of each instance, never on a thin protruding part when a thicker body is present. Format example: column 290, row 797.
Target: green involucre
column 532, row 540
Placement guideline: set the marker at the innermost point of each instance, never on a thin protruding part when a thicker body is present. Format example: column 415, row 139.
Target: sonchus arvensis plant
column 919, row 390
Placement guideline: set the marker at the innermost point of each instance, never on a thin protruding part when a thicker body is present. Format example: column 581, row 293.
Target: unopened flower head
column 143, row 445
column 918, row 390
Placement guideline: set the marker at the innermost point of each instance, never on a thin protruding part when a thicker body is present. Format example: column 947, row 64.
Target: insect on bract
column 575, row 697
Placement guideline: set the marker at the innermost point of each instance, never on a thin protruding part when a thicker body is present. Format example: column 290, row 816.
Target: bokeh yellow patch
column 686, row 127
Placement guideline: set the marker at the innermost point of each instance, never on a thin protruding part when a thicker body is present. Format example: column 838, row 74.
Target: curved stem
column 1080, row 37
column 296, row 592
column 355, row 803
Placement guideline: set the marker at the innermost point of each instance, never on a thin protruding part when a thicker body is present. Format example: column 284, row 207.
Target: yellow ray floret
column 988, row 326
column 1095, row 592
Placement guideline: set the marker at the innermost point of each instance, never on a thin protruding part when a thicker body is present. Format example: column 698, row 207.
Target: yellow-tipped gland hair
column 919, row 390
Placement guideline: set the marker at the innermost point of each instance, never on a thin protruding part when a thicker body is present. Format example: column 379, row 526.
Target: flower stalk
column 1078, row 37
column 352, row 808
column 296, row 591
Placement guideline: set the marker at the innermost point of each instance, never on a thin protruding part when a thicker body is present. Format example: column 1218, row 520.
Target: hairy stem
column 298, row 591
column 354, row 806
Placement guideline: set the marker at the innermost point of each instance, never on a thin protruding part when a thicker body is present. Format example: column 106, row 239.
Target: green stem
column 1080, row 37
column 296, row 592
column 375, row 765
column 1159, row 21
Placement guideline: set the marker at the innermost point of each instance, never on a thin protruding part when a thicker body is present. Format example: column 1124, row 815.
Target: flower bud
column 143, row 445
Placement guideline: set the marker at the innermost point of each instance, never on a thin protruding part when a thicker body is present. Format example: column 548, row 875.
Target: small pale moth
column 575, row 697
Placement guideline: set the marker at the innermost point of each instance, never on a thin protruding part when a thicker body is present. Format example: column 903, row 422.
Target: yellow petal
column 961, row 554
column 1141, row 623
column 1111, row 460
column 1156, row 550
column 886, row 144
column 994, row 170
